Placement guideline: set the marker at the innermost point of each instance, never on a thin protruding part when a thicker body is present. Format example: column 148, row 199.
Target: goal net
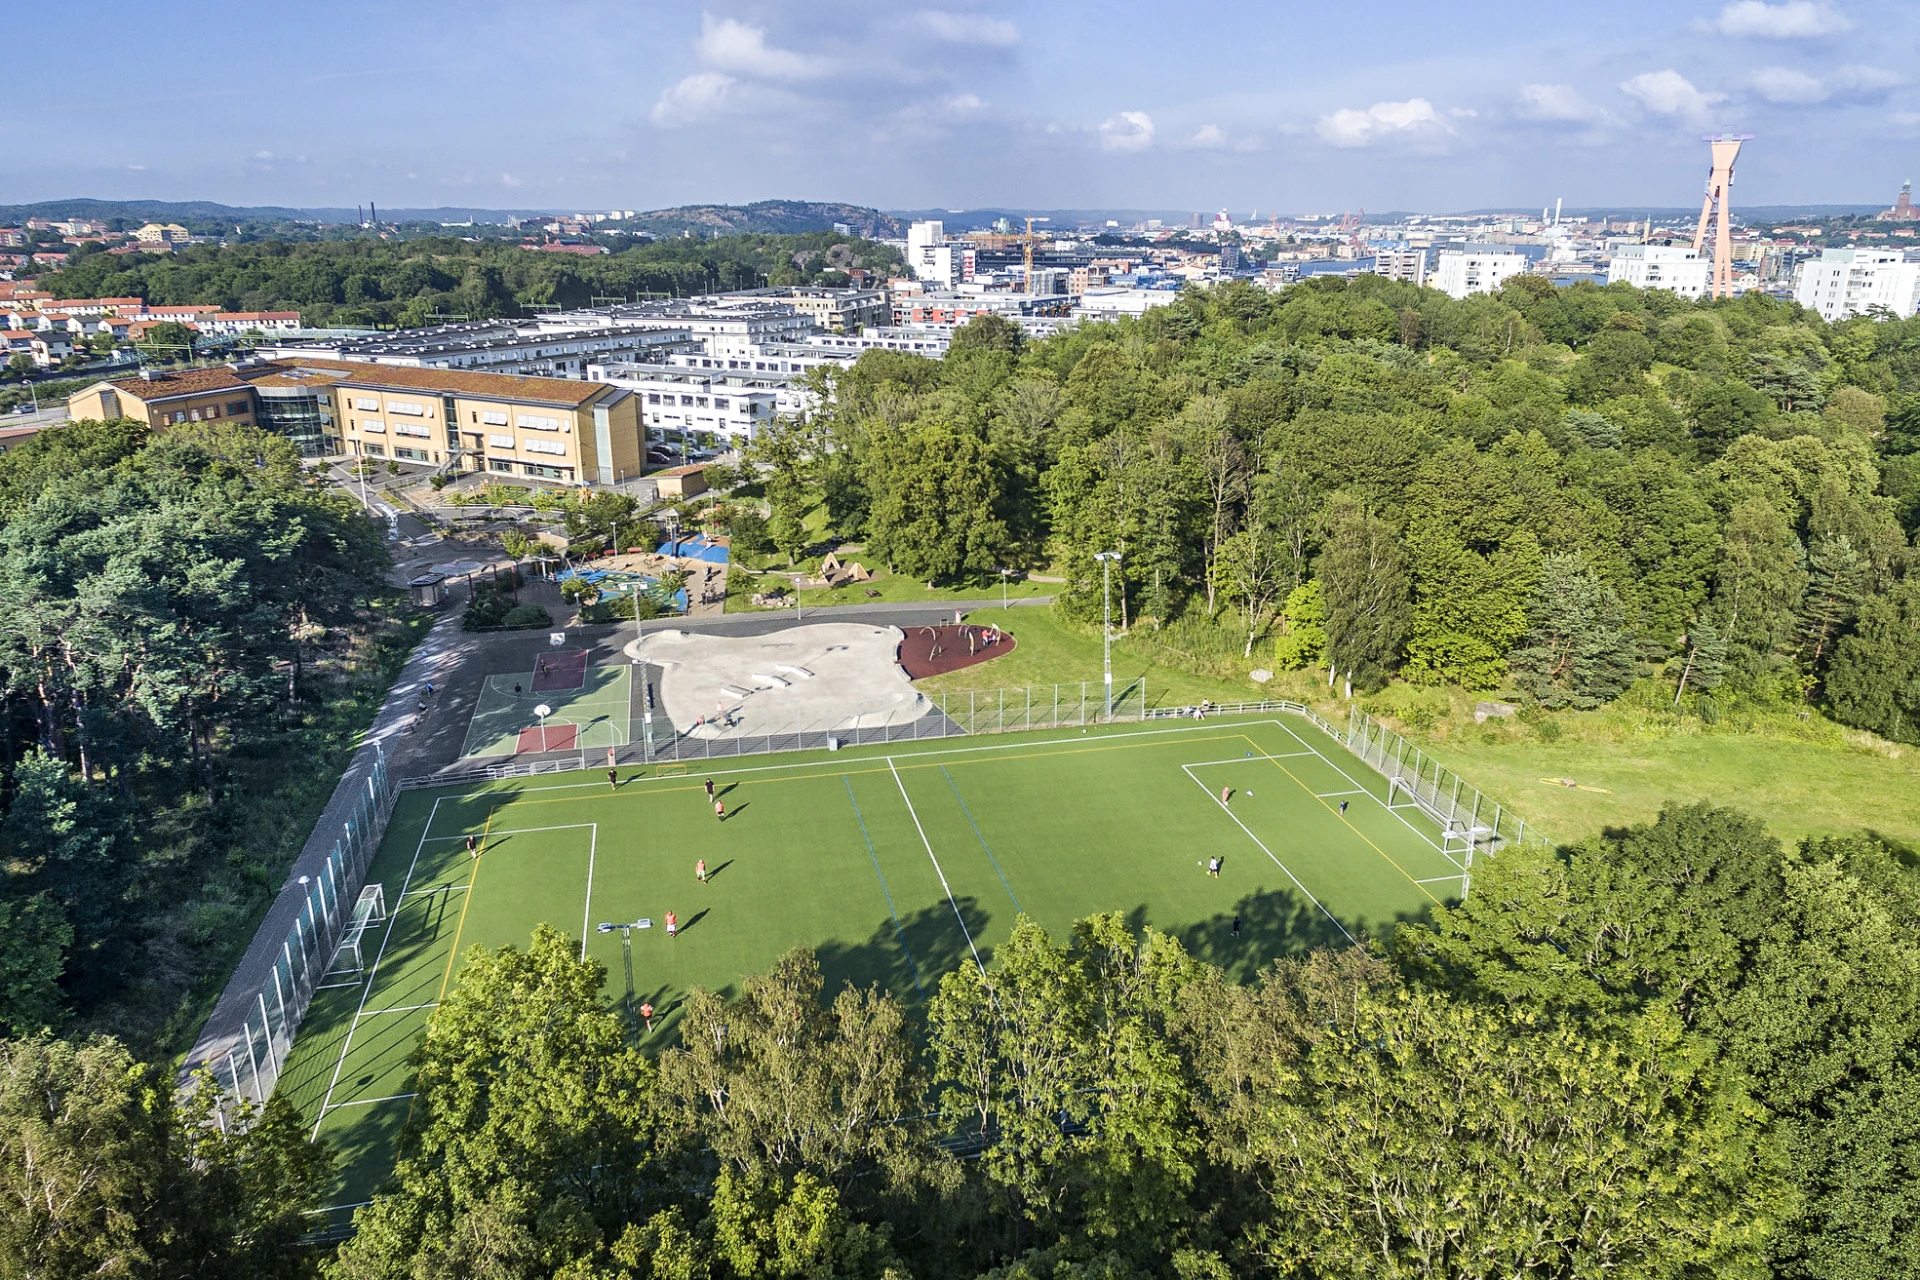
column 1458, row 836
column 368, row 910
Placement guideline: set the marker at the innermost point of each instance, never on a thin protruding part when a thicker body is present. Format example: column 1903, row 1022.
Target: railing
column 1460, row 809
column 248, row 1069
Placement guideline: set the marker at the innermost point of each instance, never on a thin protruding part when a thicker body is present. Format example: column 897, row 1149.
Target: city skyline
column 979, row 105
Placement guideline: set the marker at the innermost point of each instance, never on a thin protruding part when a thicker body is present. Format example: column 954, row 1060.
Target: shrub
column 527, row 615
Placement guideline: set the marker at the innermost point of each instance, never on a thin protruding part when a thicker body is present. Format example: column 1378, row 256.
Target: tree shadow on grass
column 933, row 947
column 1274, row 923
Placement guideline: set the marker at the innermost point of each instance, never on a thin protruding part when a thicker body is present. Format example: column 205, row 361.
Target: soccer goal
column 368, row 910
column 1459, row 837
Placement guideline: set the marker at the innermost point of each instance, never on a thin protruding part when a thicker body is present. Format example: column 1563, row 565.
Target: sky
column 1179, row 104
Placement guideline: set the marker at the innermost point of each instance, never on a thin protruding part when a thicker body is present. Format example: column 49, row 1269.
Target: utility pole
column 1106, row 559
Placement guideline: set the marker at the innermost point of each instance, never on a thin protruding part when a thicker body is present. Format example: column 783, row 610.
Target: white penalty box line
column 1312, row 750
column 1288, row 871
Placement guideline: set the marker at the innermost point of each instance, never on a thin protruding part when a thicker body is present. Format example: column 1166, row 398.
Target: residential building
column 1680, row 269
column 168, row 233
column 233, row 322
column 831, row 310
column 1110, row 304
column 1397, row 262
column 1459, row 273
column 928, row 340
column 50, row 347
column 1851, row 282
column 13, row 238
column 681, row 401
column 1081, row 279
column 191, row 314
column 560, row 346
column 930, row 257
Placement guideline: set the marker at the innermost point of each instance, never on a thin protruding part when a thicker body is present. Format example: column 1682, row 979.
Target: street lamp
column 1003, row 587
column 1106, row 559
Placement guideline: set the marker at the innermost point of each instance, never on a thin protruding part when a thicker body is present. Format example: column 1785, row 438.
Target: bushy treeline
column 163, row 603
column 384, row 283
column 1676, row 1051
column 1544, row 489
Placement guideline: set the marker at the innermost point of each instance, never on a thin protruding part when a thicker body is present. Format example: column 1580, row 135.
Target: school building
column 554, row 429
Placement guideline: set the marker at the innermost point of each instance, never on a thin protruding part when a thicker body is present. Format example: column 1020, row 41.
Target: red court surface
column 554, row 737
column 933, row 651
column 560, row 670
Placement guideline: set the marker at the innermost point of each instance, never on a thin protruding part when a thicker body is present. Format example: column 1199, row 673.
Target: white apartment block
column 1459, row 274
column 681, row 401
column 1677, row 268
column 1401, row 264
column 930, row 257
column 1851, row 282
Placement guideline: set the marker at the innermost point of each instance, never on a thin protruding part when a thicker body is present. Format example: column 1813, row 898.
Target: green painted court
column 895, row 863
column 594, row 714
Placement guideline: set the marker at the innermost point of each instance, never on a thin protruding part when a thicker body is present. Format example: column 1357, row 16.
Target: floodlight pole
column 1106, row 559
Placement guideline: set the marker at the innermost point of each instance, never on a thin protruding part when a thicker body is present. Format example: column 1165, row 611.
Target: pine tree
column 1579, row 651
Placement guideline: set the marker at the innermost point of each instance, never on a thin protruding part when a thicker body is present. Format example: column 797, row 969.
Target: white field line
column 378, row 956
column 1263, row 848
column 840, row 766
column 1382, row 803
column 401, row 1008
column 915, row 815
column 367, row 1102
column 586, row 912
column 1442, row 879
column 1334, row 795
column 1242, row 759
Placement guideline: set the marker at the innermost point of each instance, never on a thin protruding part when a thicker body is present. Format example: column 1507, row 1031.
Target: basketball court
column 587, row 707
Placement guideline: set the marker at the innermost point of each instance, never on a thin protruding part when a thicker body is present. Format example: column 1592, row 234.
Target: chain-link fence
column 250, row 1060
column 1417, row 779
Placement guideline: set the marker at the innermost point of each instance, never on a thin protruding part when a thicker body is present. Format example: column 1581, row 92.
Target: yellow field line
column 1341, row 816
column 466, row 902
column 854, row 773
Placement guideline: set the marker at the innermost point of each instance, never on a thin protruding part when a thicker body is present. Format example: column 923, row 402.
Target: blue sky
column 1187, row 104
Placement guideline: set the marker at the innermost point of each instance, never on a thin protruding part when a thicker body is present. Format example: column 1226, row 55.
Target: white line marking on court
column 1242, row 759
column 336, row 986
column 586, row 912
column 367, row 1102
column 1383, row 804
column 1276, row 861
column 401, row 1008
column 439, row 888
column 1332, row 795
column 914, row 814
column 378, row 956
column 521, row 831
column 1441, row 879
column 839, row 766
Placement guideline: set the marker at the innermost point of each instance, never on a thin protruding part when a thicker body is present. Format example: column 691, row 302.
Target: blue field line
column 982, row 839
column 898, row 932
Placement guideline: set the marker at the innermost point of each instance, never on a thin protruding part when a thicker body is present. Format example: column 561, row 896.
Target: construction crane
column 1026, row 245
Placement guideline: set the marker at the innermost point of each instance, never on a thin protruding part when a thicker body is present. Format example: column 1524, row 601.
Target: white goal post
column 368, row 910
column 1457, row 835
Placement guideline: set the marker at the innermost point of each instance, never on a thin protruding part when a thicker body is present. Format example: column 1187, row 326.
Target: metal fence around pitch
column 1415, row 778
column 252, row 1064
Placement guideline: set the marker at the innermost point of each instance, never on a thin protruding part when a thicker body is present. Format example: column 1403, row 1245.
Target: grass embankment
column 1802, row 777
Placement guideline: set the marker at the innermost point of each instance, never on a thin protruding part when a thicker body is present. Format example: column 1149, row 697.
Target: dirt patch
column 934, row 651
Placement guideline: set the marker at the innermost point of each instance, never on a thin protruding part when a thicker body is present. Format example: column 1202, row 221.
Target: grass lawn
column 1050, row 651
column 1799, row 788
column 897, row 864
column 892, row 588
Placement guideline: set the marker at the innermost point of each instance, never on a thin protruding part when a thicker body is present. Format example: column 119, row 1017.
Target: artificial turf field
column 595, row 709
column 894, row 863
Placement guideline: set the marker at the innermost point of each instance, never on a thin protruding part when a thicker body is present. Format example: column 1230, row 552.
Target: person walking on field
column 1343, row 808
column 1213, row 867
column 1226, row 794
column 473, row 847
column 646, row 1015
column 700, row 871
column 673, row 924
column 709, row 788
column 720, row 810
column 613, row 779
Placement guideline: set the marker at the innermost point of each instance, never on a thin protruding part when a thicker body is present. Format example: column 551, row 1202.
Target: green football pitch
column 895, row 863
column 596, row 714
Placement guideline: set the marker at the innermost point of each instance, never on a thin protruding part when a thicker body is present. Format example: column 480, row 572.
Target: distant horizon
column 346, row 214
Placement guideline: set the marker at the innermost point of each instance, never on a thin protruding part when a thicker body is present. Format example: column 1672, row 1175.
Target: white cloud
column 959, row 28
column 1668, row 93
column 1554, row 102
column 697, row 97
column 964, row 104
column 730, row 45
column 1785, row 85
column 140, row 168
column 1792, row 20
column 1415, row 117
column 1128, row 131
column 1208, row 137
column 508, row 180
column 263, row 155
column 1867, row 79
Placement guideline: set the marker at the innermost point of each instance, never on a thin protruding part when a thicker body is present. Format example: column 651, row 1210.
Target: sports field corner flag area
column 1247, row 838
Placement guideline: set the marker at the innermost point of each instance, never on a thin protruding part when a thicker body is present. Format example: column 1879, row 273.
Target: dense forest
column 181, row 621
column 1553, row 491
column 381, row 283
